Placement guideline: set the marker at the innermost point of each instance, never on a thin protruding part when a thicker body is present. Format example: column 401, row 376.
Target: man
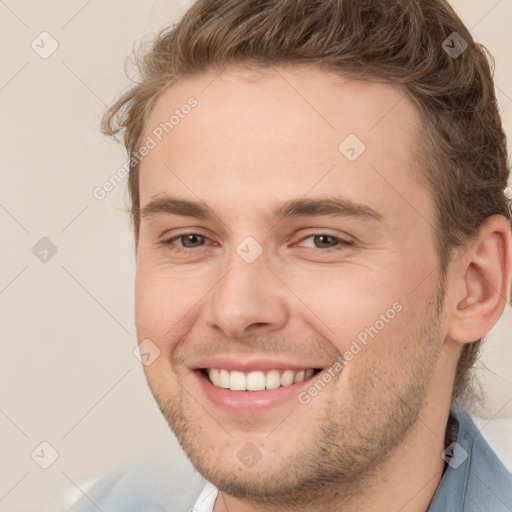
column 323, row 239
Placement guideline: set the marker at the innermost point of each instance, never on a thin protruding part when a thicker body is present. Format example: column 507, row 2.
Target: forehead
column 283, row 132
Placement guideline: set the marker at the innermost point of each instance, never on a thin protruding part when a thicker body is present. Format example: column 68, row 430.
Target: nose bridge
column 248, row 294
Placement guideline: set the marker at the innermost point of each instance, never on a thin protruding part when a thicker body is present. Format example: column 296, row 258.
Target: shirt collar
column 474, row 479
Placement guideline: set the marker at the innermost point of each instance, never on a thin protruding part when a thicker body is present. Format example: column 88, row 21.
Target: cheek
column 374, row 326
column 160, row 316
column 166, row 299
column 345, row 302
column 159, row 303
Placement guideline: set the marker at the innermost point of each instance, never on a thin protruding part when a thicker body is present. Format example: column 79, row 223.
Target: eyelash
column 342, row 243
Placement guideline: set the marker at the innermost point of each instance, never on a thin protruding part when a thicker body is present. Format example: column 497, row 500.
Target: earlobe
column 484, row 282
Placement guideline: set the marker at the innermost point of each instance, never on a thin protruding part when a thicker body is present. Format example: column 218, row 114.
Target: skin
column 372, row 439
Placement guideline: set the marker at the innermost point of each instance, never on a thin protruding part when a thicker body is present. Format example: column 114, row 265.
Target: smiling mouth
column 256, row 380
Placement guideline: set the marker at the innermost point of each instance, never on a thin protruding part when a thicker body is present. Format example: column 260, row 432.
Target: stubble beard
column 355, row 432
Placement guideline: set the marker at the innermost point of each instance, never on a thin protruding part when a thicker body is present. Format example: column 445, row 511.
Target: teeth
column 299, row 376
column 272, row 379
column 258, row 380
column 223, row 379
column 238, row 381
column 287, row 378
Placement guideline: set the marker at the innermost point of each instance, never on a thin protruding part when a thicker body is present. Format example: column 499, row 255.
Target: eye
column 189, row 241
column 327, row 242
column 186, row 242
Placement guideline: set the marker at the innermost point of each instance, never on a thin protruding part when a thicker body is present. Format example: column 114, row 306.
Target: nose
column 248, row 300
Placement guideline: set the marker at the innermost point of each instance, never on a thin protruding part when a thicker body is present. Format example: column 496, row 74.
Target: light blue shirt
column 475, row 480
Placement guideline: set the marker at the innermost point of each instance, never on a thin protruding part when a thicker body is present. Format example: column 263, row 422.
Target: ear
column 480, row 282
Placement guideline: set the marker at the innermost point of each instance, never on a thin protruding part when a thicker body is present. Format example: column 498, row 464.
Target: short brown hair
column 462, row 149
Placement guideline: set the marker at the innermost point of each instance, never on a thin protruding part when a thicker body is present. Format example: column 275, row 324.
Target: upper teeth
column 258, row 380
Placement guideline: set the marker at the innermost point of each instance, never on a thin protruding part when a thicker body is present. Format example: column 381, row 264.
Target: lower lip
column 252, row 401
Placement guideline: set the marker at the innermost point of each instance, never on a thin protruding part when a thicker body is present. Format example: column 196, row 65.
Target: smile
column 256, row 380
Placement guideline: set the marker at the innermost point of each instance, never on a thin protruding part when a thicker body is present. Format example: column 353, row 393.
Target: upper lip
column 248, row 365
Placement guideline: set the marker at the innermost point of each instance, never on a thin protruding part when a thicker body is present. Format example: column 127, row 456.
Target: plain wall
column 68, row 375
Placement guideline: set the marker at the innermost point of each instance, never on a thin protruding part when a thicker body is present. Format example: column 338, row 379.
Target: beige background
column 67, row 372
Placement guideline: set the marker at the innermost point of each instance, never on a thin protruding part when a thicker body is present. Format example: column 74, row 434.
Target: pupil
column 190, row 238
column 323, row 238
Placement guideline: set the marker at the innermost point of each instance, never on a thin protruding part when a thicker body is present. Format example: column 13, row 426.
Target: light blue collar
column 475, row 480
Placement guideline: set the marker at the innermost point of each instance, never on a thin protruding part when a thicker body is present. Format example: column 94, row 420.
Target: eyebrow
column 293, row 208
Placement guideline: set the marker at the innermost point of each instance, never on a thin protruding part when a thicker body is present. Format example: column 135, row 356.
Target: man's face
column 273, row 298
